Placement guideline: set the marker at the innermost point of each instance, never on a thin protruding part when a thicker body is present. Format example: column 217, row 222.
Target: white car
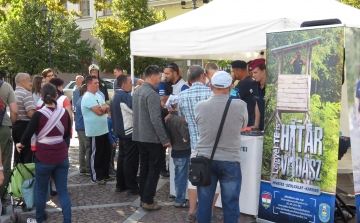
column 68, row 89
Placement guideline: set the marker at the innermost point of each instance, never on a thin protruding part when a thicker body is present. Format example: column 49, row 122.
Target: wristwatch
column 2, row 168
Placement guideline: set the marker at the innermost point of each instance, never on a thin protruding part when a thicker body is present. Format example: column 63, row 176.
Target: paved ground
column 94, row 203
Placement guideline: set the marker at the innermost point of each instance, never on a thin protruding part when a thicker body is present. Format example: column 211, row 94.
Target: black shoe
column 132, row 192
column 120, row 190
column 165, row 173
column 109, row 178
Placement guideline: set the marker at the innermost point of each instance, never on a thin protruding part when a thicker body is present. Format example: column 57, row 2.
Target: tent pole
column 132, row 70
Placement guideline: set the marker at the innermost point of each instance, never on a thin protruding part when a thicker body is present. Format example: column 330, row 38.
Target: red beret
column 255, row 63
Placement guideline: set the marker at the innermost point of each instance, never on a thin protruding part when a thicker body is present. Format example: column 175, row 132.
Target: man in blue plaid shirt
column 187, row 100
column 190, row 97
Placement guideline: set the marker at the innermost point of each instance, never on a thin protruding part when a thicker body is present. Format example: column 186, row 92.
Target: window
column 85, row 8
column 72, row 85
column 108, row 11
column 109, row 85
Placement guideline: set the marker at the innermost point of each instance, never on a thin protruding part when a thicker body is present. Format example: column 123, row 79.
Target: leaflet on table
column 352, row 65
column 302, row 123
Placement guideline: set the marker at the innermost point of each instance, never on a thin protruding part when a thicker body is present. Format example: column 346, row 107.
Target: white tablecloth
column 251, row 162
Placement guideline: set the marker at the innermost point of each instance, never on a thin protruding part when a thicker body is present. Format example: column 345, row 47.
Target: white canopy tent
column 232, row 29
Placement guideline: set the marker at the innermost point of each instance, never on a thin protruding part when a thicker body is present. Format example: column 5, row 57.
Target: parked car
column 68, row 89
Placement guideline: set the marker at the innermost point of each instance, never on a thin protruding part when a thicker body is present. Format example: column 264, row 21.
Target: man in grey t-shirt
column 225, row 166
column 26, row 108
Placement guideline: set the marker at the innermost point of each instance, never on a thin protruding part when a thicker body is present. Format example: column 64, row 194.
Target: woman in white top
column 37, row 84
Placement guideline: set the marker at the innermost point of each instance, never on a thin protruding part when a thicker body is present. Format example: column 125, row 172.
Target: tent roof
column 233, row 29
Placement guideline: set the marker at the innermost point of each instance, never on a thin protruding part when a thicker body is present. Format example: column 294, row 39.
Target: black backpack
column 2, row 107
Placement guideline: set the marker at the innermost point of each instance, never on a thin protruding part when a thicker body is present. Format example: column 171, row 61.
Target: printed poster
column 352, row 65
column 302, row 124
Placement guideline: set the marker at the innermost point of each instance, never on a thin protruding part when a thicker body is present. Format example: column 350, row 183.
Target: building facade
column 86, row 22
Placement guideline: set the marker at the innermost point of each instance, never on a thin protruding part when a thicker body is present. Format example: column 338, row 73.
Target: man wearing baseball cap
column 245, row 87
column 258, row 68
column 227, row 155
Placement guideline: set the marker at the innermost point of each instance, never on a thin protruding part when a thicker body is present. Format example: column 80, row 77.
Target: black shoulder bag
column 200, row 171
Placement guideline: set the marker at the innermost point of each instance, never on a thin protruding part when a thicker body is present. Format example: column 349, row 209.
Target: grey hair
column 79, row 76
column 21, row 76
column 194, row 72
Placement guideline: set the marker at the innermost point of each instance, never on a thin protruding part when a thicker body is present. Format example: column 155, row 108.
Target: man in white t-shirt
column 173, row 75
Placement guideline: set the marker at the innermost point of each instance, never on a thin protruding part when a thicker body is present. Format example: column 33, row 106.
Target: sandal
column 215, row 217
column 190, row 217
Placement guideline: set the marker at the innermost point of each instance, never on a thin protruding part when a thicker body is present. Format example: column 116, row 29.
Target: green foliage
column 114, row 33
column 220, row 63
column 24, row 42
column 327, row 116
column 352, row 55
column 353, row 3
column 326, row 60
column 326, row 70
column 57, row 6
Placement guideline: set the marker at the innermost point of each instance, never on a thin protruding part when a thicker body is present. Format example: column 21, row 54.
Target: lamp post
column 194, row 4
column 48, row 21
column 183, row 3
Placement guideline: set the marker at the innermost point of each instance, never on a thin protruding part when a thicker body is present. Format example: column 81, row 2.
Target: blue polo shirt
column 95, row 125
column 79, row 120
column 162, row 89
column 75, row 98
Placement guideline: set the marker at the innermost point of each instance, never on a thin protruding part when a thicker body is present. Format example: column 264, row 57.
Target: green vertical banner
column 302, row 124
column 352, row 65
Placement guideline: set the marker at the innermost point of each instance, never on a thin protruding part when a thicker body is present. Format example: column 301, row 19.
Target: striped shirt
column 187, row 101
column 25, row 103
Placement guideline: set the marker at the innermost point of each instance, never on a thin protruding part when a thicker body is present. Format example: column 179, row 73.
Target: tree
column 114, row 32
column 58, row 6
column 24, row 42
column 353, row 3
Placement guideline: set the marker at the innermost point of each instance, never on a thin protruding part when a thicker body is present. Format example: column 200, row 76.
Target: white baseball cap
column 221, row 79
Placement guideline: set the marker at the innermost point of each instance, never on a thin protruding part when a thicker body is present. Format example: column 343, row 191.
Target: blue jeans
column 60, row 174
column 229, row 176
column 181, row 177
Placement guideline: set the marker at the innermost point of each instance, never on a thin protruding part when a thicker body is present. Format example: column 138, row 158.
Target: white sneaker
column 31, row 220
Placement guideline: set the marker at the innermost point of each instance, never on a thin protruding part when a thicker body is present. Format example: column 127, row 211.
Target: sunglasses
column 175, row 68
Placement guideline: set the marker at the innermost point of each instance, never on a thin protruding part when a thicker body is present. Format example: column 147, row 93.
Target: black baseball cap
column 239, row 64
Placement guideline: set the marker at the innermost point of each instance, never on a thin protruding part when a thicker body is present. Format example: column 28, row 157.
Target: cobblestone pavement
column 95, row 203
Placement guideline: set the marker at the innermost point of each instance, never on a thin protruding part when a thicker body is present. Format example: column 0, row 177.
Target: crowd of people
column 143, row 118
